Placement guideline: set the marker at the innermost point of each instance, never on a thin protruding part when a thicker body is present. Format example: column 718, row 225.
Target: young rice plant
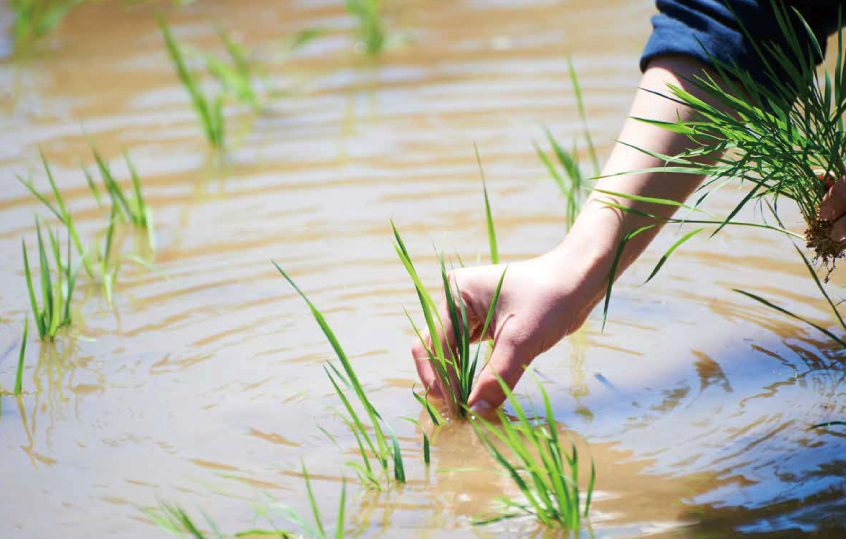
column 55, row 294
column 210, row 113
column 382, row 445
column 544, row 471
column 455, row 367
column 176, row 521
column 572, row 187
column 371, row 34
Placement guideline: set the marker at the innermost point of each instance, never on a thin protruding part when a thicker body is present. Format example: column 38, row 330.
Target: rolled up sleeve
column 709, row 30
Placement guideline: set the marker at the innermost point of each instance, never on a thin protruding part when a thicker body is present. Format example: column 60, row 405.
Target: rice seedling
column 34, row 19
column 544, row 471
column 237, row 80
column 210, row 113
column 132, row 207
column 454, row 366
column 488, row 216
column 108, row 271
column 19, row 375
column 177, row 521
column 382, row 445
column 782, row 135
column 371, row 37
column 426, row 450
column 709, row 221
column 318, row 530
column 60, row 210
column 573, row 186
column 55, row 296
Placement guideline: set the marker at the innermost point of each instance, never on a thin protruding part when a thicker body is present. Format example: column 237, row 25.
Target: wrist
column 584, row 258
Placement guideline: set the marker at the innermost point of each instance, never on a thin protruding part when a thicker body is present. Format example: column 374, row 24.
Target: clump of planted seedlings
column 569, row 178
column 237, row 74
column 34, row 19
column 60, row 210
column 56, row 292
column 382, row 445
column 540, row 465
column 176, row 521
column 209, row 111
column 131, row 207
column 455, row 366
column 371, row 37
column 784, row 136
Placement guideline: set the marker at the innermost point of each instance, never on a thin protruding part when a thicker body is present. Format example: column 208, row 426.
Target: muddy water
column 203, row 386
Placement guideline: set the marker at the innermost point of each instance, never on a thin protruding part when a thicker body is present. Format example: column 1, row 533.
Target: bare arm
column 547, row 298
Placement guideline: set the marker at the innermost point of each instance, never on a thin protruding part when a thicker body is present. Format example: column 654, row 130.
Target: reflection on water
column 203, row 383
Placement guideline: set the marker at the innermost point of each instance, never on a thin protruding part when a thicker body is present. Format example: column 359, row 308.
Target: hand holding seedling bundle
column 530, row 315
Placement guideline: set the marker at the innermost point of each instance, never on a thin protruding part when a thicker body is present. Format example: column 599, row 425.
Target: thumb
column 509, row 362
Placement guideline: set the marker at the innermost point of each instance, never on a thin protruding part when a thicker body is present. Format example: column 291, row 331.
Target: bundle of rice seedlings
column 455, row 366
column 546, row 473
column 783, row 135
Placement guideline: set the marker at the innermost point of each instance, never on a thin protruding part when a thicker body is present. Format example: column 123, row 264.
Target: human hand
column 833, row 206
column 539, row 304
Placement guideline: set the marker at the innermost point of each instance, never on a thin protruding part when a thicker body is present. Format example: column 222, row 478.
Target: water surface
column 203, row 384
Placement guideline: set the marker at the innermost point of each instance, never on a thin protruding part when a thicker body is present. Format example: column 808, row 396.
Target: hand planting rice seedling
column 454, row 365
column 55, row 295
column 381, row 447
column 546, row 473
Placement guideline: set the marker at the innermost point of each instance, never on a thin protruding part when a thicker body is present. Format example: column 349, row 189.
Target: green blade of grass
column 669, row 251
column 488, row 216
column 36, row 312
column 782, row 310
column 577, row 91
column 19, row 375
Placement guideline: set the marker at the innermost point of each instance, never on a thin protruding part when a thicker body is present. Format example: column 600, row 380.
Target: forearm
column 591, row 245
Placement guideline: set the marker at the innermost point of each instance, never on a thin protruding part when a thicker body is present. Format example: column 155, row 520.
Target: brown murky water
column 203, row 384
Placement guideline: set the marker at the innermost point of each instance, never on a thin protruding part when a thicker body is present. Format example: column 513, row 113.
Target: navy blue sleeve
column 684, row 27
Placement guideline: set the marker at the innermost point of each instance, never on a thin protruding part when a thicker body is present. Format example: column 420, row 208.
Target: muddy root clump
column 826, row 250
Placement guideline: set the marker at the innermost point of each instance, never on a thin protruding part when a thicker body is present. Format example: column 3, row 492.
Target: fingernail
column 481, row 407
column 839, row 237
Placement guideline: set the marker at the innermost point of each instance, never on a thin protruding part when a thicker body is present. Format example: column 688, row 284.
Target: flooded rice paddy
column 203, row 384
